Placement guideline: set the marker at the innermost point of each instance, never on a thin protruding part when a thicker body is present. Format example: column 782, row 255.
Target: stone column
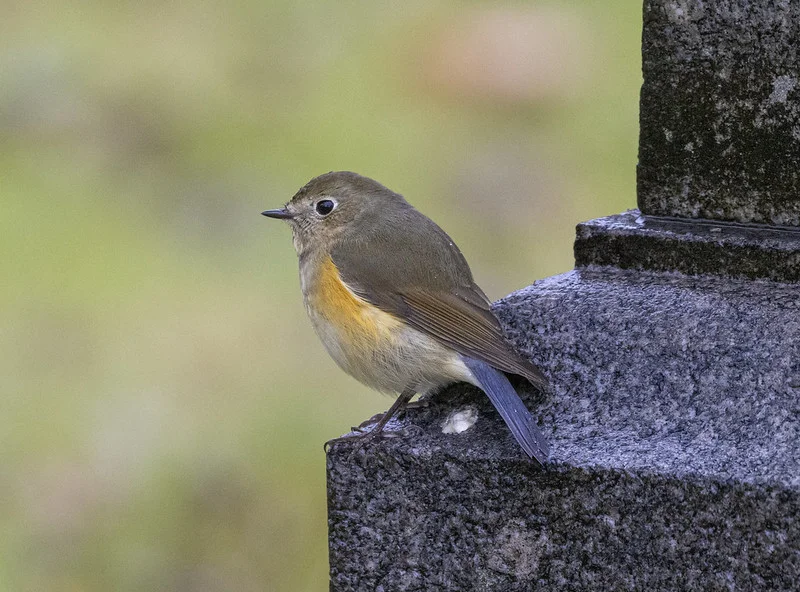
column 673, row 350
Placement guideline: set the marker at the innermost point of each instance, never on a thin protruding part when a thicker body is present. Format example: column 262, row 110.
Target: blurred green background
column 164, row 399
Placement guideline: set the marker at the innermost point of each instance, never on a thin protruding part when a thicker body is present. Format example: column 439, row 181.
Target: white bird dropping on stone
column 460, row 421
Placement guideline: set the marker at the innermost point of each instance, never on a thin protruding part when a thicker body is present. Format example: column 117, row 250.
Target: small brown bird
column 393, row 300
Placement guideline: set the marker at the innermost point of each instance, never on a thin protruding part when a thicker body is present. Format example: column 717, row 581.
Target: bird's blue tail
column 511, row 408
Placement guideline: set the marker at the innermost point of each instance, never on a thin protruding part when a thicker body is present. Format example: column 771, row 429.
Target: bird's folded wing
column 425, row 281
column 466, row 326
column 468, row 329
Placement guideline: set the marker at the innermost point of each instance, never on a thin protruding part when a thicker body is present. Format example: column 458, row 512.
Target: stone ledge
column 414, row 518
column 632, row 241
column 674, row 417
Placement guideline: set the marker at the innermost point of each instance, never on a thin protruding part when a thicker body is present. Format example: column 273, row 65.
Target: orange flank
column 349, row 314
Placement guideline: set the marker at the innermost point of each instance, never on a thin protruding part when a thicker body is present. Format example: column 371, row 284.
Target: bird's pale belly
column 371, row 345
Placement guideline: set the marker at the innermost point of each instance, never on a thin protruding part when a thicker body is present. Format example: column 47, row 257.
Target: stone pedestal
column 674, row 420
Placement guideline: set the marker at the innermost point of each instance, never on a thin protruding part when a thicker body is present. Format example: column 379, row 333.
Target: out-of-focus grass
column 164, row 400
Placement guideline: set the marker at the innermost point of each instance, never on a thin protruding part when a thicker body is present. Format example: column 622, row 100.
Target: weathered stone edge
column 633, row 241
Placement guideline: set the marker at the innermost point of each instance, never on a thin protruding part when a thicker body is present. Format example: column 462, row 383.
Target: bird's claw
column 363, row 437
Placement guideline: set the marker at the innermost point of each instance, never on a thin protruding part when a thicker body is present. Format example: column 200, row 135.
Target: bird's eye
column 325, row 206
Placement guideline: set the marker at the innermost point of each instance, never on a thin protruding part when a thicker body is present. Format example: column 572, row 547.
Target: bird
column 395, row 304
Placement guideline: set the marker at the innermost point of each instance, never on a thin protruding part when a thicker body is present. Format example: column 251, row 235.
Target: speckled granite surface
column 674, row 419
column 720, row 110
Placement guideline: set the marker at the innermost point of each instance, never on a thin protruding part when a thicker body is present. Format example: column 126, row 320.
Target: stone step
column 674, row 420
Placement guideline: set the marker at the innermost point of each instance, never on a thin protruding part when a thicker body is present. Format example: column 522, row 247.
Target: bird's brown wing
column 425, row 281
column 468, row 329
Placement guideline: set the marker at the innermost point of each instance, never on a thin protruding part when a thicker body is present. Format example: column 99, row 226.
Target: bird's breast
column 329, row 300
column 368, row 343
column 354, row 332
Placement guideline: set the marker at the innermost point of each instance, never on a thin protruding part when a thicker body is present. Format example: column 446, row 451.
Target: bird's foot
column 362, row 427
column 363, row 436
column 376, row 419
column 360, row 438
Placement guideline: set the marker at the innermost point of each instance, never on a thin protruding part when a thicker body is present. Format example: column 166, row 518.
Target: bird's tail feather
column 511, row 408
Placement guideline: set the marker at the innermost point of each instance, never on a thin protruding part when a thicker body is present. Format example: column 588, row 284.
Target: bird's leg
column 360, row 428
column 400, row 403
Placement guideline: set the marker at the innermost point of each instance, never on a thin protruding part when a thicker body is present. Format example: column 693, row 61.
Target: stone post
column 673, row 350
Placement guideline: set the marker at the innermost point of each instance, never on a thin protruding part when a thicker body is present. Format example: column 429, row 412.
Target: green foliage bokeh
column 164, row 399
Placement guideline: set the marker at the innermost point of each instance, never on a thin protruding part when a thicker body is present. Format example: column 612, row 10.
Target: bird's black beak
column 280, row 214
